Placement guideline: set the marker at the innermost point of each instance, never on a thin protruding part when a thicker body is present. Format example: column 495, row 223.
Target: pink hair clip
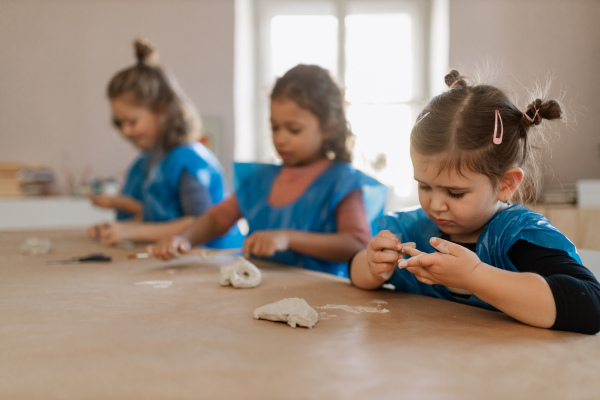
column 498, row 140
column 534, row 115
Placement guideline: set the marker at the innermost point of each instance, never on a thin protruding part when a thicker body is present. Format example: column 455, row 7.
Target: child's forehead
column 287, row 108
column 286, row 102
column 436, row 168
column 121, row 105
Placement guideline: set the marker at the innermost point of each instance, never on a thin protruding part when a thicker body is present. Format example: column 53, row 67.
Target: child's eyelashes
column 456, row 195
column 452, row 194
column 119, row 123
column 293, row 131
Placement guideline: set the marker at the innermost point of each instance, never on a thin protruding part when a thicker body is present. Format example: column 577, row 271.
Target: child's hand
column 383, row 253
column 170, row 247
column 110, row 234
column 103, row 201
column 453, row 266
column 266, row 243
column 93, row 232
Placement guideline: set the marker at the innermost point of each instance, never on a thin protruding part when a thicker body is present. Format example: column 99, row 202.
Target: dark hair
column 313, row 89
column 457, row 127
column 155, row 89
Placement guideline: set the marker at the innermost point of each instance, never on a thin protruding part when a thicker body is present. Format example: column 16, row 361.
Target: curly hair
column 313, row 89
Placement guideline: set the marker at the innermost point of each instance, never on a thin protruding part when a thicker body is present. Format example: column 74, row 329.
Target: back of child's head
column 462, row 128
column 313, row 88
column 146, row 84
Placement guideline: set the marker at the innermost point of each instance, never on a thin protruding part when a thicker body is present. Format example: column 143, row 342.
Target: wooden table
column 92, row 331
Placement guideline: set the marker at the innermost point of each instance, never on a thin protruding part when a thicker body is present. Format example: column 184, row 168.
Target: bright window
column 292, row 43
column 376, row 50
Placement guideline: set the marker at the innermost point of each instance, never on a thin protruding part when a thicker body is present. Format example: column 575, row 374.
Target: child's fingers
column 387, row 274
column 184, row 246
column 247, row 246
column 421, row 278
column 419, row 260
column 408, row 245
column 150, row 250
column 157, row 251
column 92, row 232
column 173, row 249
column 385, row 240
column 256, row 248
column 386, row 234
column 411, row 251
column 441, row 245
column 386, row 256
column 383, row 270
column 421, row 273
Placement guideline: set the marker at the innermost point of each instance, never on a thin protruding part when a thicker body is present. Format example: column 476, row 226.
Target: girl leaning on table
column 475, row 244
column 175, row 178
column 312, row 210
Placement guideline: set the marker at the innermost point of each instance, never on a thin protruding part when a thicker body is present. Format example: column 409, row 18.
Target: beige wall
column 531, row 39
column 56, row 57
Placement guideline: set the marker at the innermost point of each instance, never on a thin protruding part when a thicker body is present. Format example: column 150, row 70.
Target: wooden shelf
column 580, row 225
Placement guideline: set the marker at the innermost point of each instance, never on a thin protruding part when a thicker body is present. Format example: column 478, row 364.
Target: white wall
column 527, row 40
column 56, row 57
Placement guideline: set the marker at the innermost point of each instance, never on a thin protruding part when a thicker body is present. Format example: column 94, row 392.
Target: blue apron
column 314, row 211
column 502, row 231
column 157, row 187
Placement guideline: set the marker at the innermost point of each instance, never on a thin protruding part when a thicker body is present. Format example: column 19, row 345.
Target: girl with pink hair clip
column 472, row 241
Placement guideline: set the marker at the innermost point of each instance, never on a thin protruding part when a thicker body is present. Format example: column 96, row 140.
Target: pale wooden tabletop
column 95, row 331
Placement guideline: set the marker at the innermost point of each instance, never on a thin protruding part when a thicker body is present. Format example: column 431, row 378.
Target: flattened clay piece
column 241, row 274
column 36, row 246
column 294, row 311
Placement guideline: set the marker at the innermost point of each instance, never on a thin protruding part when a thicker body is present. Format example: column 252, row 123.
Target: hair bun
column 454, row 79
column 145, row 52
column 538, row 110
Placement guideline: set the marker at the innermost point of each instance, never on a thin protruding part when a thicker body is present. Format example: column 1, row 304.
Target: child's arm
column 353, row 233
column 524, row 296
column 215, row 222
column 337, row 247
column 121, row 203
column 112, row 234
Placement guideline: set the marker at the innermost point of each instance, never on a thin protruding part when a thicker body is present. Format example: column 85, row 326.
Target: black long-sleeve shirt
column 575, row 289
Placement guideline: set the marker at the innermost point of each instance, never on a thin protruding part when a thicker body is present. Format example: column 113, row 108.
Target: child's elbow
column 593, row 326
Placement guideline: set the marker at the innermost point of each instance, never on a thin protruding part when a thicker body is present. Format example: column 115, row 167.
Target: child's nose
column 278, row 138
column 438, row 203
column 127, row 129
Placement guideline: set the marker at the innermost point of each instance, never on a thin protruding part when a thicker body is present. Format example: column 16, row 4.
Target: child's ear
column 160, row 109
column 329, row 128
column 509, row 183
column 161, row 112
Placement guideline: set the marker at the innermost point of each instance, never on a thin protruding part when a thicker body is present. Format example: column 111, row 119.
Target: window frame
column 422, row 13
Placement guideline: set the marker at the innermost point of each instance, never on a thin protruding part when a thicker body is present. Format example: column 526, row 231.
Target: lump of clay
column 294, row 311
column 241, row 274
column 36, row 246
